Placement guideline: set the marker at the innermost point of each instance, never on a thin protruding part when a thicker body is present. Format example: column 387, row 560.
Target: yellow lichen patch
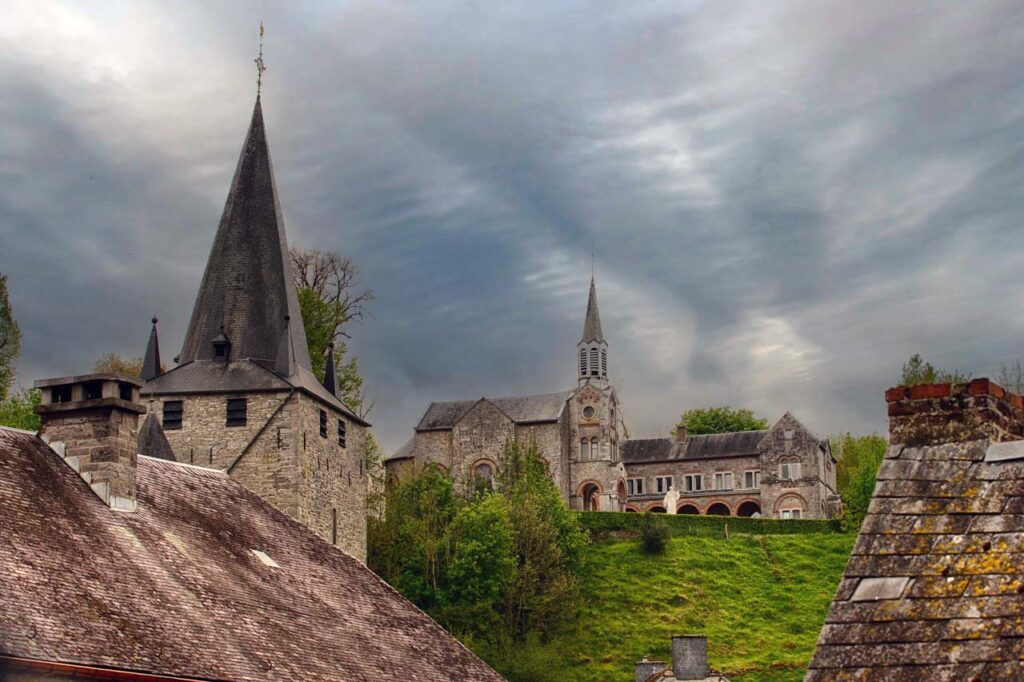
column 986, row 585
column 940, row 587
column 987, row 562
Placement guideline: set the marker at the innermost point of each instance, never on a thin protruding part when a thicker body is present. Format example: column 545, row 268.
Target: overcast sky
column 785, row 200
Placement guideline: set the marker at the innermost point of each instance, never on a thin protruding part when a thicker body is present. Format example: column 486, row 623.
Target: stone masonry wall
column 548, row 438
column 481, row 434
column 286, row 461
column 932, row 414
column 679, row 468
column 103, row 440
column 789, row 441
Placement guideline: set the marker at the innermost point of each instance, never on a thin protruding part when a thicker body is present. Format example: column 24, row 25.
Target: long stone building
column 783, row 472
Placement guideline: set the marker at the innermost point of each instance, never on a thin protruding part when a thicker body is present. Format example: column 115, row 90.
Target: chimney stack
column 92, row 422
column 690, row 657
column 681, row 433
column 933, row 414
column 646, row 668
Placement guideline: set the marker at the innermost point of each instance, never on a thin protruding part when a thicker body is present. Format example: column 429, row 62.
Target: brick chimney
column 932, row 414
column 681, row 433
column 690, row 657
column 645, row 668
column 92, row 422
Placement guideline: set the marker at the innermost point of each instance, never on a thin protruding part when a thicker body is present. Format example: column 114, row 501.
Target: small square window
column 341, row 433
column 173, row 411
column 236, row 413
column 323, row 423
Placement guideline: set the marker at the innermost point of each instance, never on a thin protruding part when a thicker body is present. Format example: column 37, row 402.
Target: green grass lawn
column 761, row 600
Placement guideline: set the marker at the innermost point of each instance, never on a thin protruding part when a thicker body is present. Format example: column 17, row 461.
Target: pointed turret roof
column 151, row 361
column 247, row 287
column 152, row 441
column 592, row 325
column 330, row 372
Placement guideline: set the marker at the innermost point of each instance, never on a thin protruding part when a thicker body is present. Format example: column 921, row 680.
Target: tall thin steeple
column 247, row 292
column 330, row 372
column 151, row 361
column 592, row 350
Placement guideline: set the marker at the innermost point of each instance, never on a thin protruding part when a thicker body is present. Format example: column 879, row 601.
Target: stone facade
column 949, row 413
column 784, row 472
column 281, row 455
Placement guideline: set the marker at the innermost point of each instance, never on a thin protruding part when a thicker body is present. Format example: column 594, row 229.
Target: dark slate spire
column 592, row 325
column 152, row 441
column 330, row 373
column 247, row 287
column 151, row 362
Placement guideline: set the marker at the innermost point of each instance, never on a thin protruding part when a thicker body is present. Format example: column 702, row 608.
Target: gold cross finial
column 260, row 68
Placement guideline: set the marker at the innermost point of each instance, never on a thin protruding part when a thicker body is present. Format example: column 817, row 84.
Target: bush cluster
column 654, row 534
column 709, row 526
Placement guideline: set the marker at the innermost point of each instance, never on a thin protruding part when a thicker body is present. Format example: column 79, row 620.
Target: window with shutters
column 593, row 362
column 323, row 423
column 173, row 412
column 583, row 362
column 341, row 435
column 236, row 412
column 604, row 362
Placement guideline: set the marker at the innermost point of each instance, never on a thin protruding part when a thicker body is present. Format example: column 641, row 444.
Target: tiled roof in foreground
column 933, row 590
column 177, row 587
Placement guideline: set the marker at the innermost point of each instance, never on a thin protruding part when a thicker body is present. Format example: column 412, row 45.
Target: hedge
column 711, row 526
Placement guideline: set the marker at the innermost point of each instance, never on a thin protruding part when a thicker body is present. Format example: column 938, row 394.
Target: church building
column 782, row 472
column 243, row 397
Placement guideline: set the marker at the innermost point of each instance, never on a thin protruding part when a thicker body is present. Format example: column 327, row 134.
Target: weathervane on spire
column 260, row 68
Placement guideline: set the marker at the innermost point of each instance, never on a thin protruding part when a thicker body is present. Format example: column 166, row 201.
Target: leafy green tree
column 654, row 534
column 720, row 420
column 18, row 410
column 917, row 371
column 10, row 339
column 858, row 460
column 112, row 362
column 330, row 300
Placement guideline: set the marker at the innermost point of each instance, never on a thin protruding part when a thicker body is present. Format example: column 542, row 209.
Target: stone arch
column 688, row 508
column 790, row 500
column 748, row 508
column 656, row 508
column 484, row 469
column 718, row 508
column 620, row 490
column 589, row 492
column 632, row 508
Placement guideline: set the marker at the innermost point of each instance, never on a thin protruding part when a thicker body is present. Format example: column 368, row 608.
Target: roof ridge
column 15, row 429
column 160, row 460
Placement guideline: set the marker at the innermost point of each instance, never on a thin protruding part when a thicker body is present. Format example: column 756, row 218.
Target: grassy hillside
column 761, row 599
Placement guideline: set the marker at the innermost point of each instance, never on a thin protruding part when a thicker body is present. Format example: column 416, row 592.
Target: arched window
column 583, row 362
column 484, row 473
column 604, row 362
column 584, row 449
column 593, row 362
column 595, row 450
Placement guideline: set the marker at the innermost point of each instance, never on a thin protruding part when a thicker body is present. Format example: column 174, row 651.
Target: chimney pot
column 92, row 421
column 690, row 657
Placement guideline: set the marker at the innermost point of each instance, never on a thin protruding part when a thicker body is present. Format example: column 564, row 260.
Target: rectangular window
column 693, row 483
column 341, row 435
column 334, row 526
column 663, row 483
column 236, row 414
column 635, row 486
column 723, row 481
column 790, row 471
column 752, row 479
column 172, row 414
column 791, row 513
column 323, row 423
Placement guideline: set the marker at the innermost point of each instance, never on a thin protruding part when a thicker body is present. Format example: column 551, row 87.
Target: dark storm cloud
column 785, row 201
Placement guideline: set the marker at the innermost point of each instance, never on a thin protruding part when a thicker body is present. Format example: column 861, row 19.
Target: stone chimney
column 92, row 422
column 932, row 414
column 646, row 668
column 681, row 433
column 690, row 657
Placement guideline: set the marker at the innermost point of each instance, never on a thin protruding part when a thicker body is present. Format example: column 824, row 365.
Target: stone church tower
column 243, row 397
column 598, row 478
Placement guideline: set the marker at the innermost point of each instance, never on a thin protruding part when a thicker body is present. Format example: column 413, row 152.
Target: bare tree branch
column 334, row 279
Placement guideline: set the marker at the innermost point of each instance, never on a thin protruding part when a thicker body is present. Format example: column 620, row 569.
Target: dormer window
column 221, row 345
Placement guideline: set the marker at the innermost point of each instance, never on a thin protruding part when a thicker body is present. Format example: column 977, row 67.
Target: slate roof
column 405, row 452
column 544, row 407
column 592, row 324
column 702, row 446
column 175, row 588
column 933, row 588
column 152, row 441
column 247, row 287
column 151, row 361
column 239, row 376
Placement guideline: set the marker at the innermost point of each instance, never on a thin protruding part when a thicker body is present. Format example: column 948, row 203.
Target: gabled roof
column 544, row 407
column 240, row 376
column 933, row 588
column 592, row 324
column 701, row 446
column 407, row 451
column 248, row 287
column 176, row 588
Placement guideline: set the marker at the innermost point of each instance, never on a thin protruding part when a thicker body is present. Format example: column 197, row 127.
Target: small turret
column 151, row 361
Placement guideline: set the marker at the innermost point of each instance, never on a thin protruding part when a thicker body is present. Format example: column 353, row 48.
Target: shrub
column 654, row 535
column 708, row 526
